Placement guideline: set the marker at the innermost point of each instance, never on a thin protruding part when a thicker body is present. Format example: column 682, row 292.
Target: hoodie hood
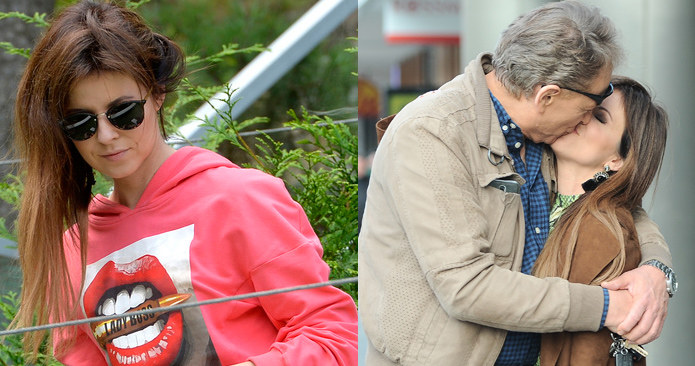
column 180, row 166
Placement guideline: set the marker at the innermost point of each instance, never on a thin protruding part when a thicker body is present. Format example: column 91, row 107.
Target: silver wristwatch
column 671, row 282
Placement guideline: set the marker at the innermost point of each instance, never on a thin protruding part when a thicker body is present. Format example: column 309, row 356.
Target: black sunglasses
column 595, row 97
column 81, row 126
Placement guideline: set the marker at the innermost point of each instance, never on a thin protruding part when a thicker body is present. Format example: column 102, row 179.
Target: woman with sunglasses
column 603, row 170
column 179, row 226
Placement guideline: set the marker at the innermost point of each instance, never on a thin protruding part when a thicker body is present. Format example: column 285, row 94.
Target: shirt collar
column 512, row 132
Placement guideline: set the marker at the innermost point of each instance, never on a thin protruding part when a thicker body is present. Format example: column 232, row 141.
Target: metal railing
column 270, row 65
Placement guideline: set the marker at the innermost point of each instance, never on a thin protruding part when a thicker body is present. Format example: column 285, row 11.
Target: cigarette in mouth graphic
column 113, row 328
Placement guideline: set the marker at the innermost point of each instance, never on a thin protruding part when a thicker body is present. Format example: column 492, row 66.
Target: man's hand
column 620, row 303
column 645, row 320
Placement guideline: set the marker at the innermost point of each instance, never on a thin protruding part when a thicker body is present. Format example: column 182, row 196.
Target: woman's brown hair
column 84, row 39
column 642, row 149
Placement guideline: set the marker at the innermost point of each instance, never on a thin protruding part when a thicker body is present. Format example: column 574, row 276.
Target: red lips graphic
column 153, row 339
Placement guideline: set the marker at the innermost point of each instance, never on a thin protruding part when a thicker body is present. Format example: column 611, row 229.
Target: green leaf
column 133, row 5
column 12, row 50
column 38, row 19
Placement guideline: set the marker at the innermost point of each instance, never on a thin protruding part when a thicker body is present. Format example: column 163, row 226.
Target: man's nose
column 586, row 118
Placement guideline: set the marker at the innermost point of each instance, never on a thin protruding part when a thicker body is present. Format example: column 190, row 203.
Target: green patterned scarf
column 562, row 201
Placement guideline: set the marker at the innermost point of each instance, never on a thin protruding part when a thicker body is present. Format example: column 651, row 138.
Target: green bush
column 321, row 175
column 11, row 352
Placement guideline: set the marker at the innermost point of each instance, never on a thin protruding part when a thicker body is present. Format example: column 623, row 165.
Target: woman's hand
column 645, row 319
column 619, row 305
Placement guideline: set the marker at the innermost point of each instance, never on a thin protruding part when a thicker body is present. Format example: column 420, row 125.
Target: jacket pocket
column 502, row 204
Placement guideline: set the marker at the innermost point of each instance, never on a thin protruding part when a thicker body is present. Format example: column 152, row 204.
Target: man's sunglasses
column 595, row 97
column 81, row 126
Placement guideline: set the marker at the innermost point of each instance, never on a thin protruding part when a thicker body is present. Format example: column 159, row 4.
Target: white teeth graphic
column 125, row 301
column 109, row 307
column 132, row 340
column 137, row 297
column 140, row 337
column 150, row 333
column 120, row 342
column 122, row 302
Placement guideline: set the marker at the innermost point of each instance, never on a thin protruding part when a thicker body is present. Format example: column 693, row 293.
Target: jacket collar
column 488, row 132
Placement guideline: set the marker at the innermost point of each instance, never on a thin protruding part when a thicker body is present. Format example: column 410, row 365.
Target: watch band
column 671, row 282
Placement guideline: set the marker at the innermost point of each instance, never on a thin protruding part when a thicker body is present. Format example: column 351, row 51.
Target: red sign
column 422, row 21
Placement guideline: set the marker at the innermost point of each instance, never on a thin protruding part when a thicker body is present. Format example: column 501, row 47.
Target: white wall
column 483, row 21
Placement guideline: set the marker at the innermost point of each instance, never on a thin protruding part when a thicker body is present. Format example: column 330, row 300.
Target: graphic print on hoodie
column 128, row 280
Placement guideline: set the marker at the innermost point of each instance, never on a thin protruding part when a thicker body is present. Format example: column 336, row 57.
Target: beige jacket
column 440, row 251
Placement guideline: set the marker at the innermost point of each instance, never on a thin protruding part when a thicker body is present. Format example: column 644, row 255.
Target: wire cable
column 179, row 306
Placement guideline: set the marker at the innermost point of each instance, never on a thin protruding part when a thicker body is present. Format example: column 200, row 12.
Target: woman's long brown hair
column 642, row 149
column 85, row 39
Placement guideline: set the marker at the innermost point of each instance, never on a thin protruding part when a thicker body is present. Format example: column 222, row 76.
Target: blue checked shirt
column 523, row 348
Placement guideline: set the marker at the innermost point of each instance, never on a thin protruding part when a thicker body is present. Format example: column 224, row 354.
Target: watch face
column 671, row 282
column 674, row 283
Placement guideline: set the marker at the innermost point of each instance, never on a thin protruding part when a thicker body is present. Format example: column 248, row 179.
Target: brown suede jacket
column 596, row 248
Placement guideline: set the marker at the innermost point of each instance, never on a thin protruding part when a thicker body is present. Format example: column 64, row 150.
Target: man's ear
column 546, row 95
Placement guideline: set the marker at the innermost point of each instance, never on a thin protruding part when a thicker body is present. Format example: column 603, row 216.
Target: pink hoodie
column 208, row 228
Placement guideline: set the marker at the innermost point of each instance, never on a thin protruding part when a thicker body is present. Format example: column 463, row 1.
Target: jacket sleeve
column 652, row 243
column 432, row 192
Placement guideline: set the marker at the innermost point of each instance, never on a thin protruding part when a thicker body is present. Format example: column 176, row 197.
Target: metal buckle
column 489, row 158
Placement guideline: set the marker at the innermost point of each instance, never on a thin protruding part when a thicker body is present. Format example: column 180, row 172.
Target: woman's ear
column 546, row 95
column 615, row 164
column 159, row 101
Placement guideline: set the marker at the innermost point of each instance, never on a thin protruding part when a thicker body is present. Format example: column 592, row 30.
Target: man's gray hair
column 565, row 43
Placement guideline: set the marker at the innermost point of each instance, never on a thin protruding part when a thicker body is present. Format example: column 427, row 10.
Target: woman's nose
column 105, row 130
